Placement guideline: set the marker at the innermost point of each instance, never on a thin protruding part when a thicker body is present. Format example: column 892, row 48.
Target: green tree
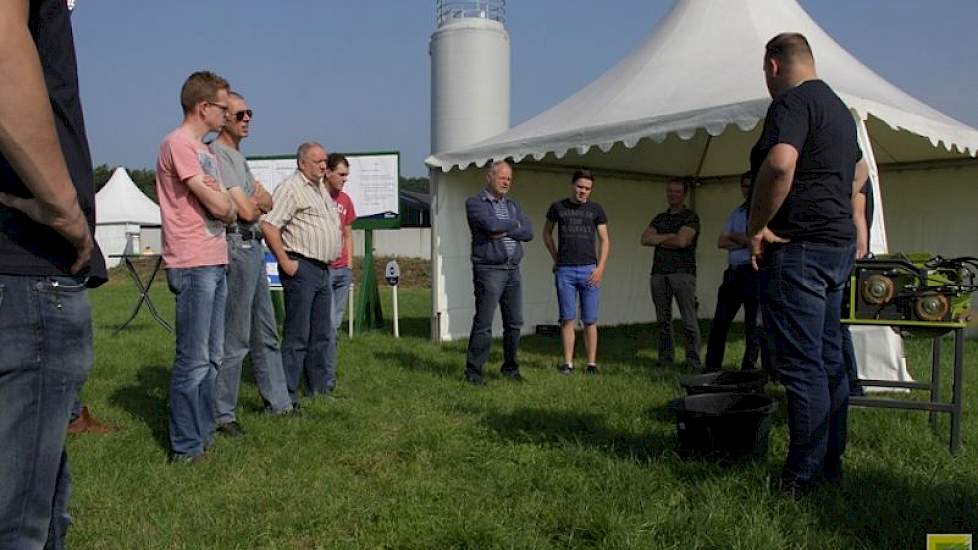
column 417, row 185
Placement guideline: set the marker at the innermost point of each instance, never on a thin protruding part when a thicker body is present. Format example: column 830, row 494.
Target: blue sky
column 355, row 74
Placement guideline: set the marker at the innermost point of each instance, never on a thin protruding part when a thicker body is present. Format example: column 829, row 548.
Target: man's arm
column 772, row 185
column 732, row 241
column 681, row 239
column 273, row 239
column 247, row 209
column 524, row 227
column 481, row 220
column 604, row 248
column 348, row 239
column 263, row 199
column 213, row 196
column 859, row 209
column 548, row 240
column 651, row 237
column 28, row 139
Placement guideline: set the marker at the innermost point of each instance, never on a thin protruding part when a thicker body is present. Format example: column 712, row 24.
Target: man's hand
column 72, row 226
column 495, row 236
column 262, row 198
column 759, row 242
column 595, row 278
column 290, row 267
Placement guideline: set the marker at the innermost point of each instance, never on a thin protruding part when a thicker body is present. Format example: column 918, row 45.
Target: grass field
column 410, row 457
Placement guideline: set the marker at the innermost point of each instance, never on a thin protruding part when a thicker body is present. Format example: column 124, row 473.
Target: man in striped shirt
column 303, row 232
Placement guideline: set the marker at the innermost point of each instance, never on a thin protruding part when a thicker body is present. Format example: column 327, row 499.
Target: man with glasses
column 47, row 259
column 194, row 208
column 303, row 231
column 249, row 320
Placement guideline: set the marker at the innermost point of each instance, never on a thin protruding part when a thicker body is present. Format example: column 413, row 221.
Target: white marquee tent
column 121, row 210
column 688, row 102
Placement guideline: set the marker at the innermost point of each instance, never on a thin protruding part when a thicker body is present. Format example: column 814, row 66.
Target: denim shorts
column 572, row 285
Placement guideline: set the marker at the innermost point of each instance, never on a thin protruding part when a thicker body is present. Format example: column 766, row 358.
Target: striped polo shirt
column 307, row 217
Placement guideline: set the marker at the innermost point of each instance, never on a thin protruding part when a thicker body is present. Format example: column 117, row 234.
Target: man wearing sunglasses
column 249, row 320
column 194, row 208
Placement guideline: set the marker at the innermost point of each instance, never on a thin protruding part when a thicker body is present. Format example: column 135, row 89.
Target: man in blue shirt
column 739, row 288
column 498, row 227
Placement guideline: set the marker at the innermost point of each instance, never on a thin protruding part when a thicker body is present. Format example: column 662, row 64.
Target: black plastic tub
column 750, row 381
column 726, row 426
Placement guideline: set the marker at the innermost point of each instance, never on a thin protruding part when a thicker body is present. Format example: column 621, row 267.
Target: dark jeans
column 307, row 350
column 493, row 286
column 683, row 287
column 739, row 288
column 849, row 356
column 801, row 298
column 45, row 356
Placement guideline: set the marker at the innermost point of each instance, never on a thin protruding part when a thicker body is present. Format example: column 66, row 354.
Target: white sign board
column 372, row 185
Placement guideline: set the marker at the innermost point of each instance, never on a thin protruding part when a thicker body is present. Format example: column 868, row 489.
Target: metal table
column 143, row 289
column 935, row 404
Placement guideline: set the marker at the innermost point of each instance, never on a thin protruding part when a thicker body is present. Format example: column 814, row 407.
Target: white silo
column 469, row 73
column 470, row 60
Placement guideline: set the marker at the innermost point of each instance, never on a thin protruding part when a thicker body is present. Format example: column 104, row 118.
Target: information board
column 372, row 185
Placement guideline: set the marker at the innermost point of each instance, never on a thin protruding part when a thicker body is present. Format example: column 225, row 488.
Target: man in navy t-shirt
column 578, row 270
column 808, row 165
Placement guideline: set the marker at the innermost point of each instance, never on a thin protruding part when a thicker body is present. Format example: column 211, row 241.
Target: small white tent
column 688, row 102
column 121, row 210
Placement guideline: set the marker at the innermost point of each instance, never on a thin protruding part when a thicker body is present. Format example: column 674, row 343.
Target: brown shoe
column 86, row 423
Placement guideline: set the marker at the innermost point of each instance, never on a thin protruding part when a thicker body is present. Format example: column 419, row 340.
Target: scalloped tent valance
column 688, row 100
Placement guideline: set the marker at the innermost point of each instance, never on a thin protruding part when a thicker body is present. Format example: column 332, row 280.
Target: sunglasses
column 239, row 116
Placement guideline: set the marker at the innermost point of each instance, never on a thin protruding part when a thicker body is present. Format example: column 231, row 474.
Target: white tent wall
column 630, row 204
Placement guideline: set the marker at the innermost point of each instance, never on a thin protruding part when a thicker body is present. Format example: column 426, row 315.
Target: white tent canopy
column 687, row 102
column 697, row 75
column 122, row 210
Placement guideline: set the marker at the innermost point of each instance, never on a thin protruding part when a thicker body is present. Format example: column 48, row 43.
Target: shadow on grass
column 413, row 361
column 560, row 428
column 147, row 400
column 881, row 509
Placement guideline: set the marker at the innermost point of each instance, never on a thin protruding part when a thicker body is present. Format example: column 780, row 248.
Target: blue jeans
column 573, row 287
column 46, row 343
column 492, row 287
column 308, row 351
column 801, row 299
column 201, row 293
column 249, row 325
column 340, row 279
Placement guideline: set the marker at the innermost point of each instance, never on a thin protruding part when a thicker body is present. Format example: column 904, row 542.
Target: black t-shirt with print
column 675, row 260
column 813, row 119
column 577, row 225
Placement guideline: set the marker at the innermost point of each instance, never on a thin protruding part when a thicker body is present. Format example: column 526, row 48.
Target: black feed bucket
column 750, row 381
column 723, row 425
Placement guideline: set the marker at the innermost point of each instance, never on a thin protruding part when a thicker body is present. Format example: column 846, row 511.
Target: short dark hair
column 336, row 159
column 685, row 182
column 582, row 174
column 201, row 86
column 788, row 47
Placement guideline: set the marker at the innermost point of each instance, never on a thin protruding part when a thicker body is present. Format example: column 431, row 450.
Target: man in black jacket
column 498, row 227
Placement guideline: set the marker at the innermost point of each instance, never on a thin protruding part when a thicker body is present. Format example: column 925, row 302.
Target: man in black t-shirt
column 47, row 260
column 674, row 233
column 578, row 270
column 808, row 166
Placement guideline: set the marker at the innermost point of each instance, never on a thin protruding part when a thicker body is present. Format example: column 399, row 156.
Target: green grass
column 410, row 457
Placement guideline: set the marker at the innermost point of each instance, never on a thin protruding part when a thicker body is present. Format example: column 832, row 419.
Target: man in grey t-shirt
column 249, row 318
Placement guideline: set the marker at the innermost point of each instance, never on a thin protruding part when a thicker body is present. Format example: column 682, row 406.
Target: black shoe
column 591, row 369
column 292, row 411
column 667, row 362
column 231, row 429
column 566, row 368
column 475, row 380
column 514, row 376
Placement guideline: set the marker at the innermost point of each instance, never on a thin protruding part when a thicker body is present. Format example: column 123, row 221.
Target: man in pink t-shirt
column 341, row 270
column 194, row 207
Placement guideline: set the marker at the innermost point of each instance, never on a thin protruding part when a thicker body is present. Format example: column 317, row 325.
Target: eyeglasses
column 239, row 116
column 220, row 106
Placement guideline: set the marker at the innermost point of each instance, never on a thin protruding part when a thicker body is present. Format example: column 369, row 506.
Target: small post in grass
column 393, row 274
